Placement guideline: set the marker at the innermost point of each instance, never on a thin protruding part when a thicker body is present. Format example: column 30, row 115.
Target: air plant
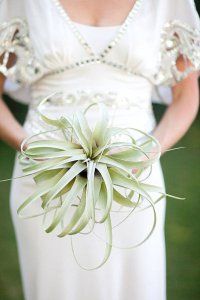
column 84, row 171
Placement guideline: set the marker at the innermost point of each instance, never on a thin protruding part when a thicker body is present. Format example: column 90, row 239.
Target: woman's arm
column 180, row 114
column 10, row 130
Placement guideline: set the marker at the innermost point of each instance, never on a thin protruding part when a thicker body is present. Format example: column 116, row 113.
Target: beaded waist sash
column 86, row 97
column 125, row 109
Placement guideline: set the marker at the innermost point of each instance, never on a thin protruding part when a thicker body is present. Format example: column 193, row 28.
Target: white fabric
column 48, row 268
column 50, row 44
column 97, row 37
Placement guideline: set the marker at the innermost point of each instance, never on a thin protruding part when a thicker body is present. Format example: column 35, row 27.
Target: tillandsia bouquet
column 84, row 172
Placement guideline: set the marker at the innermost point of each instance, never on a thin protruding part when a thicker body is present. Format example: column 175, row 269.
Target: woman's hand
column 151, row 154
column 10, row 130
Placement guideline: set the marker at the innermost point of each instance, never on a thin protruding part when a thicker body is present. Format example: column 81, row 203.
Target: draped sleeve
column 179, row 37
column 14, row 40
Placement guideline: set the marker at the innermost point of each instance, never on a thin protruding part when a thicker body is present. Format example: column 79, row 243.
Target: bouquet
column 84, row 172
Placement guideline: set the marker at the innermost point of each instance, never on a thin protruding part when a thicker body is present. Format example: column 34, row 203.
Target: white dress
column 121, row 73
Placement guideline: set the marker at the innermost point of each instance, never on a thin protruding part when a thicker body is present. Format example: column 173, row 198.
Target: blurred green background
column 181, row 170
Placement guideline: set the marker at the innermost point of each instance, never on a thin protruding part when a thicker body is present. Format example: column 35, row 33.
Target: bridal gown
column 118, row 65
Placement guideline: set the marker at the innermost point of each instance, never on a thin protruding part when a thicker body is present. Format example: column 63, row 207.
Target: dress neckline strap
column 120, row 31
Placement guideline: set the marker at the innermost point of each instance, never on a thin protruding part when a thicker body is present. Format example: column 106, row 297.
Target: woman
column 115, row 51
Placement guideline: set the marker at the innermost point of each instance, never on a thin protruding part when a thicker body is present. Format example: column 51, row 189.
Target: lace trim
column 178, row 39
column 14, row 38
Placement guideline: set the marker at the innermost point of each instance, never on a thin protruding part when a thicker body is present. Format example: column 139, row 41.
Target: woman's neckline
column 121, row 29
column 96, row 27
column 65, row 13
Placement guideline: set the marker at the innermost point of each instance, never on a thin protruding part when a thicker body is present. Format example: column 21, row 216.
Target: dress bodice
column 151, row 37
column 56, row 54
column 98, row 37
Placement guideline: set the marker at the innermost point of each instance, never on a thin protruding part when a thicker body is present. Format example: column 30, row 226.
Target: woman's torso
column 121, row 73
column 112, row 67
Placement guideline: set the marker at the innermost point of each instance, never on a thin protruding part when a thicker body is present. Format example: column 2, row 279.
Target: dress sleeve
column 180, row 37
column 14, row 41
